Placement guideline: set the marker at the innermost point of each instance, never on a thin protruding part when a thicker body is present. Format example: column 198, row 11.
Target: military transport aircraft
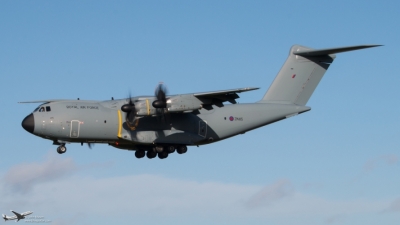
column 18, row 216
column 161, row 124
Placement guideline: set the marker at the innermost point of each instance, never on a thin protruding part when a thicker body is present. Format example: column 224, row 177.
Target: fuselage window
column 48, row 109
column 41, row 109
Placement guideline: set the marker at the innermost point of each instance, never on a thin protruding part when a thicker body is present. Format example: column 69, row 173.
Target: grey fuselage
column 103, row 122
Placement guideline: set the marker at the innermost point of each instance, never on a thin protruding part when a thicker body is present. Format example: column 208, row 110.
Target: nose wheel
column 61, row 149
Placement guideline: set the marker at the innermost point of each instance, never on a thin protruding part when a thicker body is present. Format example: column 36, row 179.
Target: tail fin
column 4, row 217
column 301, row 73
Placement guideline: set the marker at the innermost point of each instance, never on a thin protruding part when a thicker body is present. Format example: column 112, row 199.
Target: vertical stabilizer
column 301, row 73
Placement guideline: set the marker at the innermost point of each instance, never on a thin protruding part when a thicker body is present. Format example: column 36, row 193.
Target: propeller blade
column 129, row 109
column 161, row 103
column 161, row 92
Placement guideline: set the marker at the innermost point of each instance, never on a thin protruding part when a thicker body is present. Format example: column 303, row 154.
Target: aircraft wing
column 54, row 100
column 17, row 214
column 46, row 101
column 218, row 97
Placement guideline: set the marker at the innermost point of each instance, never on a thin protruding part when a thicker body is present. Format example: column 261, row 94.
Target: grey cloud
column 394, row 206
column 150, row 199
column 270, row 194
column 335, row 219
column 77, row 218
column 387, row 159
column 22, row 178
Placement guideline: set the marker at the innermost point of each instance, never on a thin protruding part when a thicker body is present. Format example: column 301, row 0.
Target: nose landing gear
column 61, row 149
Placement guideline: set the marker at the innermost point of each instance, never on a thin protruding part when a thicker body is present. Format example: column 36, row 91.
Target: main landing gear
column 150, row 154
column 61, row 149
column 181, row 149
column 139, row 154
column 161, row 151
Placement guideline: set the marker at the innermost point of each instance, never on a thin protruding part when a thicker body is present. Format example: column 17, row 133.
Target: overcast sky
column 337, row 164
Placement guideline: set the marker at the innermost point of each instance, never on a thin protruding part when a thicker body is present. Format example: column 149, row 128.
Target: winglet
column 328, row 51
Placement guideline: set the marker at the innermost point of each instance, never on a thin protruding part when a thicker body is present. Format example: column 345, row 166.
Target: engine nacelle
column 181, row 103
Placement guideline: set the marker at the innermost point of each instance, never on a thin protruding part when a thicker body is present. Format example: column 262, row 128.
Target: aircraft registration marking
column 232, row 118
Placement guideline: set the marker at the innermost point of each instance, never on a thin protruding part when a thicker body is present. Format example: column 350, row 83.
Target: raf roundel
column 231, row 118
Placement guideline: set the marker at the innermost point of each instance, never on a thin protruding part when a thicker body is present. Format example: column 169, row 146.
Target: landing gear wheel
column 61, row 149
column 162, row 155
column 151, row 154
column 158, row 149
column 140, row 154
column 170, row 149
column 182, row 149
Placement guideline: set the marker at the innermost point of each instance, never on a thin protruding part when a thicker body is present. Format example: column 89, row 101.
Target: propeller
column 160, row 93
column 161, row 103
column 130, row 110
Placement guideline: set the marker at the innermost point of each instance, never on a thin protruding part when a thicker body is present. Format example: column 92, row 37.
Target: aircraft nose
column 29, row 123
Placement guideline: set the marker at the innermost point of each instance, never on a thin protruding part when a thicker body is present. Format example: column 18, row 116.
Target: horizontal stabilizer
column 328, row 51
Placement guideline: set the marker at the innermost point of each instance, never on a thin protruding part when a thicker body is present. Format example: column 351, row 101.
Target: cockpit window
column 43, row 108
